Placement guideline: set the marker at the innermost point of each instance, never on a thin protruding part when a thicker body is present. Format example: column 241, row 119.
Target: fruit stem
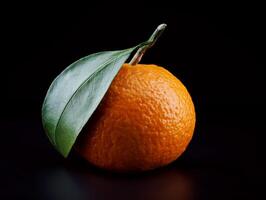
column 141, row 51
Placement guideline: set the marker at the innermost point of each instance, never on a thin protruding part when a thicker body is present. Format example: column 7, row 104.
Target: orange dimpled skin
column 145, row 120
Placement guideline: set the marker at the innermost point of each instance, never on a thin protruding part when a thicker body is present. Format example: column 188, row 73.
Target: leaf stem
column 151, row 41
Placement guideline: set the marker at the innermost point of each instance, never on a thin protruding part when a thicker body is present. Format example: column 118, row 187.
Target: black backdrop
column 218, row 55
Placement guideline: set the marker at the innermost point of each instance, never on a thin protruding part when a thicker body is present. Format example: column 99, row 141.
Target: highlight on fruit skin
column 146, row 120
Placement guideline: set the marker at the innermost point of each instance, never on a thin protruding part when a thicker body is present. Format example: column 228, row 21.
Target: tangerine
column 145, row 120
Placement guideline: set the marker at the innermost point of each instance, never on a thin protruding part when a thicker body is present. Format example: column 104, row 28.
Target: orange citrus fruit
column 145, row 120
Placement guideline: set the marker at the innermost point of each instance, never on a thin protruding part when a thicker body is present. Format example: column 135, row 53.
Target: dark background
column 220, row 57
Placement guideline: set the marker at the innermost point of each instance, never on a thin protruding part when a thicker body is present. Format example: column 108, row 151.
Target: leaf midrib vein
column 83, row 83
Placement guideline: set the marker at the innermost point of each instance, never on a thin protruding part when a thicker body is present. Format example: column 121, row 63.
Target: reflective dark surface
column 219, row 56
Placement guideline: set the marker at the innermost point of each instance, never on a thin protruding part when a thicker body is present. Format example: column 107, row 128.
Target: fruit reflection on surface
column 79, row 182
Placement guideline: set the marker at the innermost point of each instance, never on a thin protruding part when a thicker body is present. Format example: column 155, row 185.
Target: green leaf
column 75, row 94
